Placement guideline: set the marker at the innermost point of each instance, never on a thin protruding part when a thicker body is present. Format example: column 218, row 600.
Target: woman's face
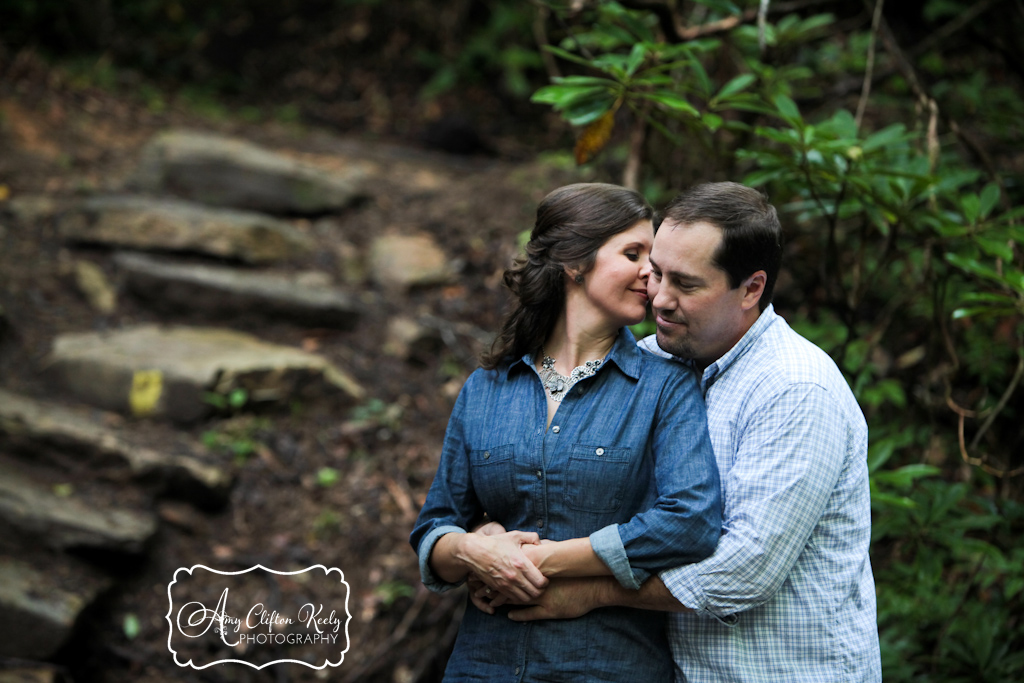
column 615, row 289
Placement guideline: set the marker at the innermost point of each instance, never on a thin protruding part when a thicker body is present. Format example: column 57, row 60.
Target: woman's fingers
column 500, row 562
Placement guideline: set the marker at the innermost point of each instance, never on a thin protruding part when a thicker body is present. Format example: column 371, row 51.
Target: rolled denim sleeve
column 685, row 522
column 607, row 545
column 451, row 503
column 784, row 472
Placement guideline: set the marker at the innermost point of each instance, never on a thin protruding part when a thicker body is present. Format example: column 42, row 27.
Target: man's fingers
column 481, row 603
column 528, row 614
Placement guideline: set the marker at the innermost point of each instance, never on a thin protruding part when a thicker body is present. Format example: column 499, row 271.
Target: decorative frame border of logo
column 327, row 571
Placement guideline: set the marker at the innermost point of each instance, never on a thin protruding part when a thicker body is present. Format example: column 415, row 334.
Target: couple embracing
column 694, row 507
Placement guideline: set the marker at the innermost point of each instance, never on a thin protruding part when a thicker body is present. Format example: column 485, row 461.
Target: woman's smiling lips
column 640, row 292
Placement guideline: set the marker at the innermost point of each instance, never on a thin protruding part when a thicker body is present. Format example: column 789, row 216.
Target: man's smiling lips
column 658, row 319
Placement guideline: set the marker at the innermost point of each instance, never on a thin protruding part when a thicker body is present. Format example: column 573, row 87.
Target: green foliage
column 238, row 437
column 908, row 271
column 131, row 626
column 391, row 591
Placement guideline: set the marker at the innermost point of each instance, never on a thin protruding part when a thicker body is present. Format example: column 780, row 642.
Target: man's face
column 698, row 314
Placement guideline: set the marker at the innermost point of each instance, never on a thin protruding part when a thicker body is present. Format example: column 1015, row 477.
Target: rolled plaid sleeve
column 785, row 469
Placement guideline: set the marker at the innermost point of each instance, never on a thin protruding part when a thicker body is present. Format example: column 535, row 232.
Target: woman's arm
column 575, row 557
column 446, row 552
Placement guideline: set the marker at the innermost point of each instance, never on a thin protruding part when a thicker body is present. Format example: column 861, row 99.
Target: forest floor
column 66, row 140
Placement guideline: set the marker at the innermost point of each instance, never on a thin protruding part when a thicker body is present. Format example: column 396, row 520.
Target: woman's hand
column 500, row 563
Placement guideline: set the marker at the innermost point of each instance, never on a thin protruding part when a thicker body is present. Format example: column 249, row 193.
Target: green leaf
column 636, row 58
column 238, row 398
column 998, row 248
column 735, row 85
column 568, row 56
column 787, row 108
column 561, row 96
column 971, row 206
column 712, row 121
column 989, row 199
column 982, row 311
column 906, row 475
column 885, row 137
column 327, row 476
column 589, row 110
column 131, row 626
column 672, row 101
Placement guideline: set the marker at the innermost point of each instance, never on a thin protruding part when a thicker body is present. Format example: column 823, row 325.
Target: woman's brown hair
column 572, row 224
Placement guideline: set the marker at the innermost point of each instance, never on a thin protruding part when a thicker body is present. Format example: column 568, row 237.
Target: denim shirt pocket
column 596, row 477
column 493, row 472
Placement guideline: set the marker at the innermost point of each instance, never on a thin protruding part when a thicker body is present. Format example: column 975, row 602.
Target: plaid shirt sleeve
column 787, row 462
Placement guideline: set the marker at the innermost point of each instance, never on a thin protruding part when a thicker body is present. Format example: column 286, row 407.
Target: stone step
column 225, row 171
column 41, row 601
column 405, row 261
column 68, row 515
column 167, row 371
column 150, row 224
column 223, row 291
column 79, row 436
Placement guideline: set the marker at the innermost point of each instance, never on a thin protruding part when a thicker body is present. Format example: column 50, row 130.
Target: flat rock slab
column 166, row 371
column 40, row 604
column 224, row 171
column 175, row 225
column 404, row 261
column 221, row 291
column 31, row 509
column 77, row 436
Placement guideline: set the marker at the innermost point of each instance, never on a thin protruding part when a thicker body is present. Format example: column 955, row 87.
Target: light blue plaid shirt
column 788, row 595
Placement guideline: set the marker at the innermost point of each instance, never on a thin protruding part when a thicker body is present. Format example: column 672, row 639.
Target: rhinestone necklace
column 557, row 385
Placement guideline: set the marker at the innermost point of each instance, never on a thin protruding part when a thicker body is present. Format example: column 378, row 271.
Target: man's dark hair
column 751, row 233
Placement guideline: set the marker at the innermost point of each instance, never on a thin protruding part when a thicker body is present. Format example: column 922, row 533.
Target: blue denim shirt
column 627, row 461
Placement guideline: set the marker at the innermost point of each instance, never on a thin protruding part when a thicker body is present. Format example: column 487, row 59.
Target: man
column 788, row 595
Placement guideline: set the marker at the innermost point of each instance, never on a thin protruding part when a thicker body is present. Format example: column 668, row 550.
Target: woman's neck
column 572, row 344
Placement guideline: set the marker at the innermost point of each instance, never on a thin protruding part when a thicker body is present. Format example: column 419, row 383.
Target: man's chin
column 669, row 344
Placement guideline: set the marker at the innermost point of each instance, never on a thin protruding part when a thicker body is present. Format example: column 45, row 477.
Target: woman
column 571, row 434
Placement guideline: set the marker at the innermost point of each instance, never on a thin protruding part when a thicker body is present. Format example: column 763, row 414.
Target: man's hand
column 564, row 599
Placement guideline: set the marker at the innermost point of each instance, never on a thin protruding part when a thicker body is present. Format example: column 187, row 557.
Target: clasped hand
column 498, row 563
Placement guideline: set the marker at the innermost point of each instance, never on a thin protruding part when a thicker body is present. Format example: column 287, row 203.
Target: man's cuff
column 682, row 583
column 607, row 544
column 431, row 580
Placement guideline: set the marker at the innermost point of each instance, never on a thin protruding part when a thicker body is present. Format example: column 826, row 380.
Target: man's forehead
column 682, row 240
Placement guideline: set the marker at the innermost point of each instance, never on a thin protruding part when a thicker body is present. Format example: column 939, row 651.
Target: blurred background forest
column 889, row 134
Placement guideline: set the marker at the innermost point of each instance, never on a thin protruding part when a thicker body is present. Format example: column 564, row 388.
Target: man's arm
column 574, row 597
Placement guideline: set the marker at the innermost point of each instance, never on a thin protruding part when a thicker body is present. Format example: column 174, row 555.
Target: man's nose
column 658, row 294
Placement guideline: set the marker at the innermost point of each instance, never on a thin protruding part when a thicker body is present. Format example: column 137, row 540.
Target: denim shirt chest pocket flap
column 596, row 477
column 493, row 471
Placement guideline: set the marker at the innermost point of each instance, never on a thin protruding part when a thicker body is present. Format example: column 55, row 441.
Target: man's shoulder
column 781, row 358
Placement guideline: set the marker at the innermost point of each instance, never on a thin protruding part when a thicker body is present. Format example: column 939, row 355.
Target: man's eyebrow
column 676, row 275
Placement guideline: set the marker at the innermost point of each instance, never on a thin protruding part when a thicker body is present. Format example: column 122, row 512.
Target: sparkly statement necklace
column 557, row 385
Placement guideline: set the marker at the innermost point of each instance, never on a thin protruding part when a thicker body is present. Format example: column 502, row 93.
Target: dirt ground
column 65, row 141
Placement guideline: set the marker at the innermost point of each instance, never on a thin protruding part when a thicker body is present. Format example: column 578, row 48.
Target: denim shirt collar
column 624, row 353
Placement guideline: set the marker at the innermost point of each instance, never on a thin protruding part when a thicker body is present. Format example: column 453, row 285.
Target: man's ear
column 753, row 289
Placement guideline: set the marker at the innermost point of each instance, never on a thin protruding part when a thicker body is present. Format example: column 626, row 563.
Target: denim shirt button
column 556, row 429
column 600, row 451
column 540, row 475
column 487, row 454
column 517, row 671
column 540, row 523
